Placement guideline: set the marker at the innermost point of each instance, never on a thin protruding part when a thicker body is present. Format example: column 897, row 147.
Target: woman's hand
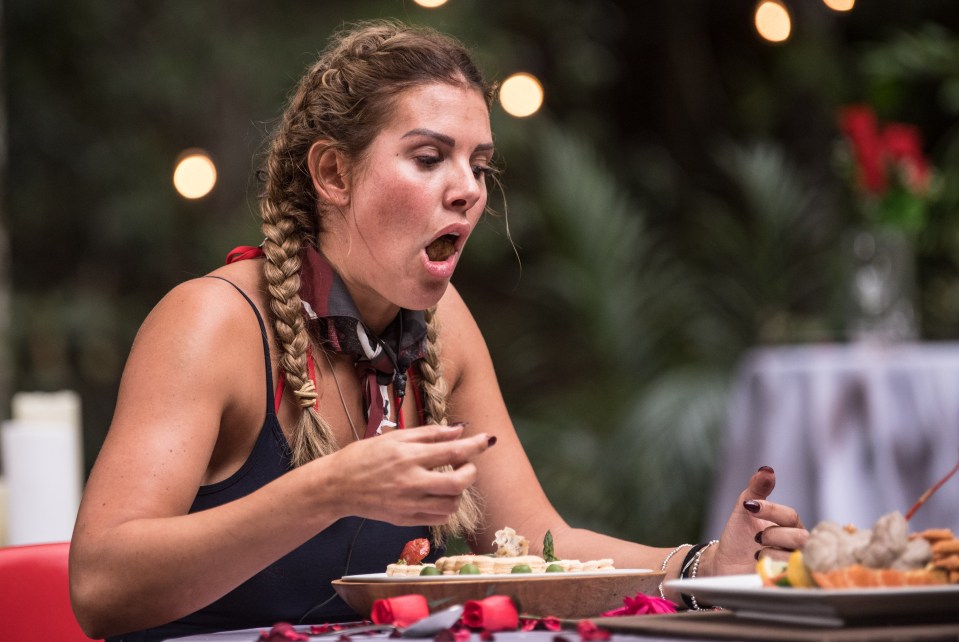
column 395, row 477
column 756, row 526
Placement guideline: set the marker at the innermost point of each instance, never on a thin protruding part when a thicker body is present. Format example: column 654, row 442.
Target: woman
column 249, row 464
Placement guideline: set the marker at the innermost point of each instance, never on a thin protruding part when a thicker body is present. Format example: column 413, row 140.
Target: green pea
column 430, row 570
column 521, row 568
column 555, row 568
column 469, row 569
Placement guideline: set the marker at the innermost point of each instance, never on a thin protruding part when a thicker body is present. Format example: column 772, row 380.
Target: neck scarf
column 333, row 321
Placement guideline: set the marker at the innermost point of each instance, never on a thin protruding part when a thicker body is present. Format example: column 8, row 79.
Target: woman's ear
column 328, row 171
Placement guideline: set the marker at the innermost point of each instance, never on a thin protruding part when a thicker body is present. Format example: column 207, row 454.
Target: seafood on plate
column 886, row 555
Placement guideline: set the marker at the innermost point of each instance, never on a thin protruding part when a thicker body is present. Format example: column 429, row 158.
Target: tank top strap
column 270, row 403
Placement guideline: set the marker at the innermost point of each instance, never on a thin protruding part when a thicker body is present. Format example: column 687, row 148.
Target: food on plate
column 886, row 555
column 511, row 556
column 883, row 556
column 410, row 561
column 509, row 544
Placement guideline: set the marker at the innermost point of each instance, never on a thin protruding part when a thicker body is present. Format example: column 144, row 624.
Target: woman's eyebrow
column 443, row 138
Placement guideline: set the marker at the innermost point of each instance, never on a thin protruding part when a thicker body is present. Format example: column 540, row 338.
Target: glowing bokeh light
column 521, row 95
column 195, row 174
column 840, row 5
column 430, row 4
column 772, row 21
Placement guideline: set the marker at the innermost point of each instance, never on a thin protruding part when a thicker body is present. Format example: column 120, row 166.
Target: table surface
column 704, row 626
column 853, row 431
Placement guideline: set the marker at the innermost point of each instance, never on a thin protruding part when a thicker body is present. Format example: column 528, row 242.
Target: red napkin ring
column 401, row 611
column 493, row 613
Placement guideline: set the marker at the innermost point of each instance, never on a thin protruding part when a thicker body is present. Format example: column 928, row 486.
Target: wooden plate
column 563, row 595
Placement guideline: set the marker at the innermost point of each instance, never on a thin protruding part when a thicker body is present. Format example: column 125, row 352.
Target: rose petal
column 494, row 613
column 401, row 610
column 589, row 632
column 282, row 631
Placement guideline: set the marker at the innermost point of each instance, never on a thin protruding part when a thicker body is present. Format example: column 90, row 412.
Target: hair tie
column 306, row 395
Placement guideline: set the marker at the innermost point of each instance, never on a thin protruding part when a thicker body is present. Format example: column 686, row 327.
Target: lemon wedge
column 797, row 573
column 772, row 572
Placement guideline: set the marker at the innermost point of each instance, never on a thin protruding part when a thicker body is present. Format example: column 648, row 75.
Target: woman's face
column 413, row 201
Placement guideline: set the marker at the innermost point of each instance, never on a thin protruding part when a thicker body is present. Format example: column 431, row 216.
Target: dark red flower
column 860, row 126
column 401, row 610
column 642, row 604
column 903, row 146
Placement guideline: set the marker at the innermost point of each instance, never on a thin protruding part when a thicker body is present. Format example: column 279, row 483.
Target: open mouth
column 442, row 248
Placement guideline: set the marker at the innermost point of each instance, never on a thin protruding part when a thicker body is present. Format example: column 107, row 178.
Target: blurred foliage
column 671, row 207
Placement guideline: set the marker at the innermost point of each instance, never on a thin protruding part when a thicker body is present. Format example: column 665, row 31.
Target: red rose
column 903, row 146
column 494, row 613
column 859, row 124
column 401, row 611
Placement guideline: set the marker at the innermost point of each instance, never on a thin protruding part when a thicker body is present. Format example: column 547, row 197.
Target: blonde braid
column 283, row 217
column 466, row 520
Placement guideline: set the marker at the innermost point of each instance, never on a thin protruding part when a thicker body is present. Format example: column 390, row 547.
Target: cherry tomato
column 415, row 550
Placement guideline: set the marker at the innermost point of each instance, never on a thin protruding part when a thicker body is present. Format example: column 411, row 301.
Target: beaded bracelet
column 696, row 555
column 669, row 556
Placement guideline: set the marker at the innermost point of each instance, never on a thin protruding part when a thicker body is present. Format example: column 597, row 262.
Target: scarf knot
column 333, row 321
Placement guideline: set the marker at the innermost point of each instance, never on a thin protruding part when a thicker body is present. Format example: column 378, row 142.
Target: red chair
column 35, row 594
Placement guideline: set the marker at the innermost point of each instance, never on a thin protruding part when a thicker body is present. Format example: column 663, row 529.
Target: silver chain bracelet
column 669, row 556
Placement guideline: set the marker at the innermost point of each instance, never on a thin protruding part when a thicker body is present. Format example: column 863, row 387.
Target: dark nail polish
column 759, row 537
column 491, row 441
column 757, row 554
column 766, row 469
column 751, row 505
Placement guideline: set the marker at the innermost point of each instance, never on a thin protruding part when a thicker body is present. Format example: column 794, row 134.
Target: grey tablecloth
column 853, row 431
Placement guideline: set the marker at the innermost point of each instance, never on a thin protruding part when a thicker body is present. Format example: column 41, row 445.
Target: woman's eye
column 428, row 161
column 480, row 171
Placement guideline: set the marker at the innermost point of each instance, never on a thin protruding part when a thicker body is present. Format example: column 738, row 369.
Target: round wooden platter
column 562, row 595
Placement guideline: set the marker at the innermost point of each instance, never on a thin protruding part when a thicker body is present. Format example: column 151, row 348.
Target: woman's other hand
column 756, row 526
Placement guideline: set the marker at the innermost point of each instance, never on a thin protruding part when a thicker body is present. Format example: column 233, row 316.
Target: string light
column 840, row 5
column 772, row 20
column 194, row 175
column 521, row 95
column 430, row 4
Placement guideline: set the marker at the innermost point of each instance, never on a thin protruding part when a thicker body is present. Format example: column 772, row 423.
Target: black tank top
column 296, row 588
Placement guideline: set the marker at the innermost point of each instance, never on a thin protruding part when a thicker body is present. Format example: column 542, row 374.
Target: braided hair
column 343, row 100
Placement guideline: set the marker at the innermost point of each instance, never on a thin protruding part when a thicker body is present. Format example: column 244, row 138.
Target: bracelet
column 669, row 555
column 690, row 600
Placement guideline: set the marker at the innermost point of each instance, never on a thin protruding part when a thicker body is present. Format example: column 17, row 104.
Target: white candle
column 42, row 464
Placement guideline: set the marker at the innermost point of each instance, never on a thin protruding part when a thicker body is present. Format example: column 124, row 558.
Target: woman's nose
column 465, row 190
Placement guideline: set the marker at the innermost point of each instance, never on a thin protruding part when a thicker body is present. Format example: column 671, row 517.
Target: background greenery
column 673, row 205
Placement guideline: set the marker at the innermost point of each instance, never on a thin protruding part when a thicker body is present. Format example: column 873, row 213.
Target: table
column 853, row 431
column 704, row 626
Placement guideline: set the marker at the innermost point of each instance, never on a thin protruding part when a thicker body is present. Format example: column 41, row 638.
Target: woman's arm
column 193, row 389
column 513, row 497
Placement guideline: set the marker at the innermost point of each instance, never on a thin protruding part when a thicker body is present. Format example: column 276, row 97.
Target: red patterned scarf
column 334, row 323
